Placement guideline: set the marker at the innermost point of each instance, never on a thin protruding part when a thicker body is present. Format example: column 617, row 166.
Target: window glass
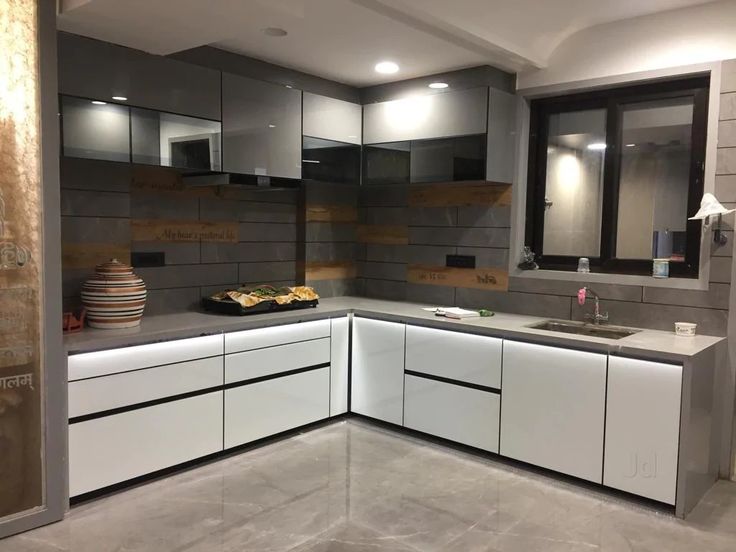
column 654, row 179
column 574, row 183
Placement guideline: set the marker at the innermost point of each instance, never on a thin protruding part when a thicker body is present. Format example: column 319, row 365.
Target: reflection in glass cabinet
column 95, row 129
column 433, row 160
column 330, row 161
column 171, row 140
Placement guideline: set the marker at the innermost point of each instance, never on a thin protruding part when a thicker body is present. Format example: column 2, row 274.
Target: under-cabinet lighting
column 630, row 145
column 310, row 161
column 120, row 98
column 271, row 126
column 597, row 146
column 438, row 85
column 98, row 102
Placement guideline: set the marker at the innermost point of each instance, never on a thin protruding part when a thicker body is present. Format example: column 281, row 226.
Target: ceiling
column 343, row 39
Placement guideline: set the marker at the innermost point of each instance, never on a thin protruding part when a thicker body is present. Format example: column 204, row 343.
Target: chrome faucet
column 597, row 316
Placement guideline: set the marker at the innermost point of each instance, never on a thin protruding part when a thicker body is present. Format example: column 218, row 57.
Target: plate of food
column 260, row 299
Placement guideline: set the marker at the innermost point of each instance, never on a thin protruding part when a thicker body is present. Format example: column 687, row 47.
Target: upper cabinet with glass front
column 331, row 131
column 120, row 104
column 446, row 137
column 262, row 128
column 614, row 176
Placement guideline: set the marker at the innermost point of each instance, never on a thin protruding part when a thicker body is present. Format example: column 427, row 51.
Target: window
column 614, row 175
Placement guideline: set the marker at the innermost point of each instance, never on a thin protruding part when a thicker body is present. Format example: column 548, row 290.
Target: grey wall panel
column 94, row 69
column 262, row 127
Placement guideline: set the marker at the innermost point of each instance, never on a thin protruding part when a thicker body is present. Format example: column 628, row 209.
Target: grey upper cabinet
column 432, row 116
column 332, row 119
column 98, row 70
column 501, row 136
column 262, row 127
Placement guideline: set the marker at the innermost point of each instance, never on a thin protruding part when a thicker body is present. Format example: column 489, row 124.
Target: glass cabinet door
column 330, row 161
column 94, row 129
column 172, row 140
column 262, row 128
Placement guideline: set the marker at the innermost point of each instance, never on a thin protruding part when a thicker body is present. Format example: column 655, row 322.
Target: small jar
column 661, row 268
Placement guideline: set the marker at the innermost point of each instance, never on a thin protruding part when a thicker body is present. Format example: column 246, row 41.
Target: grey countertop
column 652, row 344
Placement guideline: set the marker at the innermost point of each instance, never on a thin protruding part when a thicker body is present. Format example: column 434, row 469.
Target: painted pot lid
column 113, row 267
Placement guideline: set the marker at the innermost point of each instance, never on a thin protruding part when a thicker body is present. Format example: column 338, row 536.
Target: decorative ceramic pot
column 114, row 297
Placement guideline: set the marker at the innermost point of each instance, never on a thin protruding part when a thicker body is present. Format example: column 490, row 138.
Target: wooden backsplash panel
column 495, row 279
column 183, row 231
column 460, row 194
column 386, row 234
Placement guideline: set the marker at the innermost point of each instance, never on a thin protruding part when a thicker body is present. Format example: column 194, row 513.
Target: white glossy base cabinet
column 464, row 415
column 378, row 369
column 552, row 413
column 269, row 407
column 113, row 449
column 454, row 355
column 643, row 427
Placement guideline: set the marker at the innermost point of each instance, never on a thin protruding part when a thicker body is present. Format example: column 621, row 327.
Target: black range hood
column 212, row 178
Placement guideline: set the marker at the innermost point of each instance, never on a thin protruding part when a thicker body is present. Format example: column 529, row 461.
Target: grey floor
column 353, row 487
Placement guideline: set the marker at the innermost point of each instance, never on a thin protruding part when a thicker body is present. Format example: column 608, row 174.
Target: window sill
column 606, row 278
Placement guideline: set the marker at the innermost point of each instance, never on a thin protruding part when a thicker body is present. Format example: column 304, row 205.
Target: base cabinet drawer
column 454, row 355
column 108, row 392
column 260, row 338
column 464, row 415
column 273, row 360
column 258, row 410
column 113, row 449
column 643, row 427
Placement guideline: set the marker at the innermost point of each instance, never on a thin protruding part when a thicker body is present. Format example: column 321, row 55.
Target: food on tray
column 252, row 296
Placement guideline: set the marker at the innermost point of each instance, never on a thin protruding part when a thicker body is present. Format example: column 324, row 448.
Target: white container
column 685, row 329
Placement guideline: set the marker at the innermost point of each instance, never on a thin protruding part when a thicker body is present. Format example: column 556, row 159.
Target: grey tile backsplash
column 99, row 200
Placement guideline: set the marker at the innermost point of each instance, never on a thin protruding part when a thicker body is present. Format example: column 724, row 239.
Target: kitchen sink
column 580, row 328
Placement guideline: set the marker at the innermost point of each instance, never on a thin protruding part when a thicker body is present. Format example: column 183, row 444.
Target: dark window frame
column 613, row 100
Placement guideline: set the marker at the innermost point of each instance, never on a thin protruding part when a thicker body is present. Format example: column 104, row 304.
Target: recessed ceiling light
column 271, row 126
column 386, row 67
column 289, row 86
column 597, row 146
column 630, row 145
column 120, row 98
column 275, row 31
column 438, row 85
column 98, row 102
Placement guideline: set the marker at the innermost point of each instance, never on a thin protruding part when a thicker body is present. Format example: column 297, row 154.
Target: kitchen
column 366, row 284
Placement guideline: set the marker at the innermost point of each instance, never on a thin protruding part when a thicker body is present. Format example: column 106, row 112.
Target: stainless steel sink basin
column 579, row 328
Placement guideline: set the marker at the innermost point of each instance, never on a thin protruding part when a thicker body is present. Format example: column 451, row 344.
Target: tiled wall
column 111, row 209
column 407, row 232
column 329, row 251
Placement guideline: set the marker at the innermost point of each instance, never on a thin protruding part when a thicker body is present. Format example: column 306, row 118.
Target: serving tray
column 236, row 309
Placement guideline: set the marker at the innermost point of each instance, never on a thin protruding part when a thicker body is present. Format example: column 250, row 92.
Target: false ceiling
column 343, row 39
